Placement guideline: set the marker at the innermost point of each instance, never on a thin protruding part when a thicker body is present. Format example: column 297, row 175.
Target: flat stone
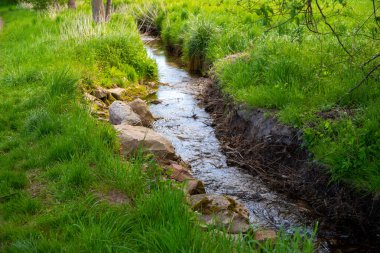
column 122, row 113
column 221, row 212
column 118, row 93
column 134, row 137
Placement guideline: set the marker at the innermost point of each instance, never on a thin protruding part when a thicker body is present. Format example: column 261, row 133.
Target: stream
column 189, row 128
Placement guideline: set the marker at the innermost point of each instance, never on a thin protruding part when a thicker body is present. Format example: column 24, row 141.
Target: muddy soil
column 252, row 139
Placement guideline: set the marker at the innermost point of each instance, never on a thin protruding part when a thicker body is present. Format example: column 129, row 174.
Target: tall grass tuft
column 196, row 44
column 62, row 84
column 80, row 27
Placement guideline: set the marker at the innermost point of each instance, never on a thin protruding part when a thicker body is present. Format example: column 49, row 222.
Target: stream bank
column 191, row 131
column 256, row 141
column 269, row 153
column 272, row 156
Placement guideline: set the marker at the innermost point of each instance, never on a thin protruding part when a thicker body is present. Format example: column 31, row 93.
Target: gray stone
column 123, row 113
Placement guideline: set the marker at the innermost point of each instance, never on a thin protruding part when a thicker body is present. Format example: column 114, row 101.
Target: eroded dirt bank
column 257, row 142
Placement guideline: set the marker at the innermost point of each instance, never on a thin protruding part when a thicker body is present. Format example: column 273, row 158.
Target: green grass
column 290, row 69
column 58, row 164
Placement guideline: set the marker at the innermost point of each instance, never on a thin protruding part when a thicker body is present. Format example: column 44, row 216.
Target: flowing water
column 188, row 127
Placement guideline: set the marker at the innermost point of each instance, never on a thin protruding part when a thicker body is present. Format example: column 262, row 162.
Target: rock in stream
column 221, row 212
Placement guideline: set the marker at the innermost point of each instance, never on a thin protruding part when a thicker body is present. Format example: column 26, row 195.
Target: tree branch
column 374, row 13
column 360, row 82
column 372, row 58
column 332, row 29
